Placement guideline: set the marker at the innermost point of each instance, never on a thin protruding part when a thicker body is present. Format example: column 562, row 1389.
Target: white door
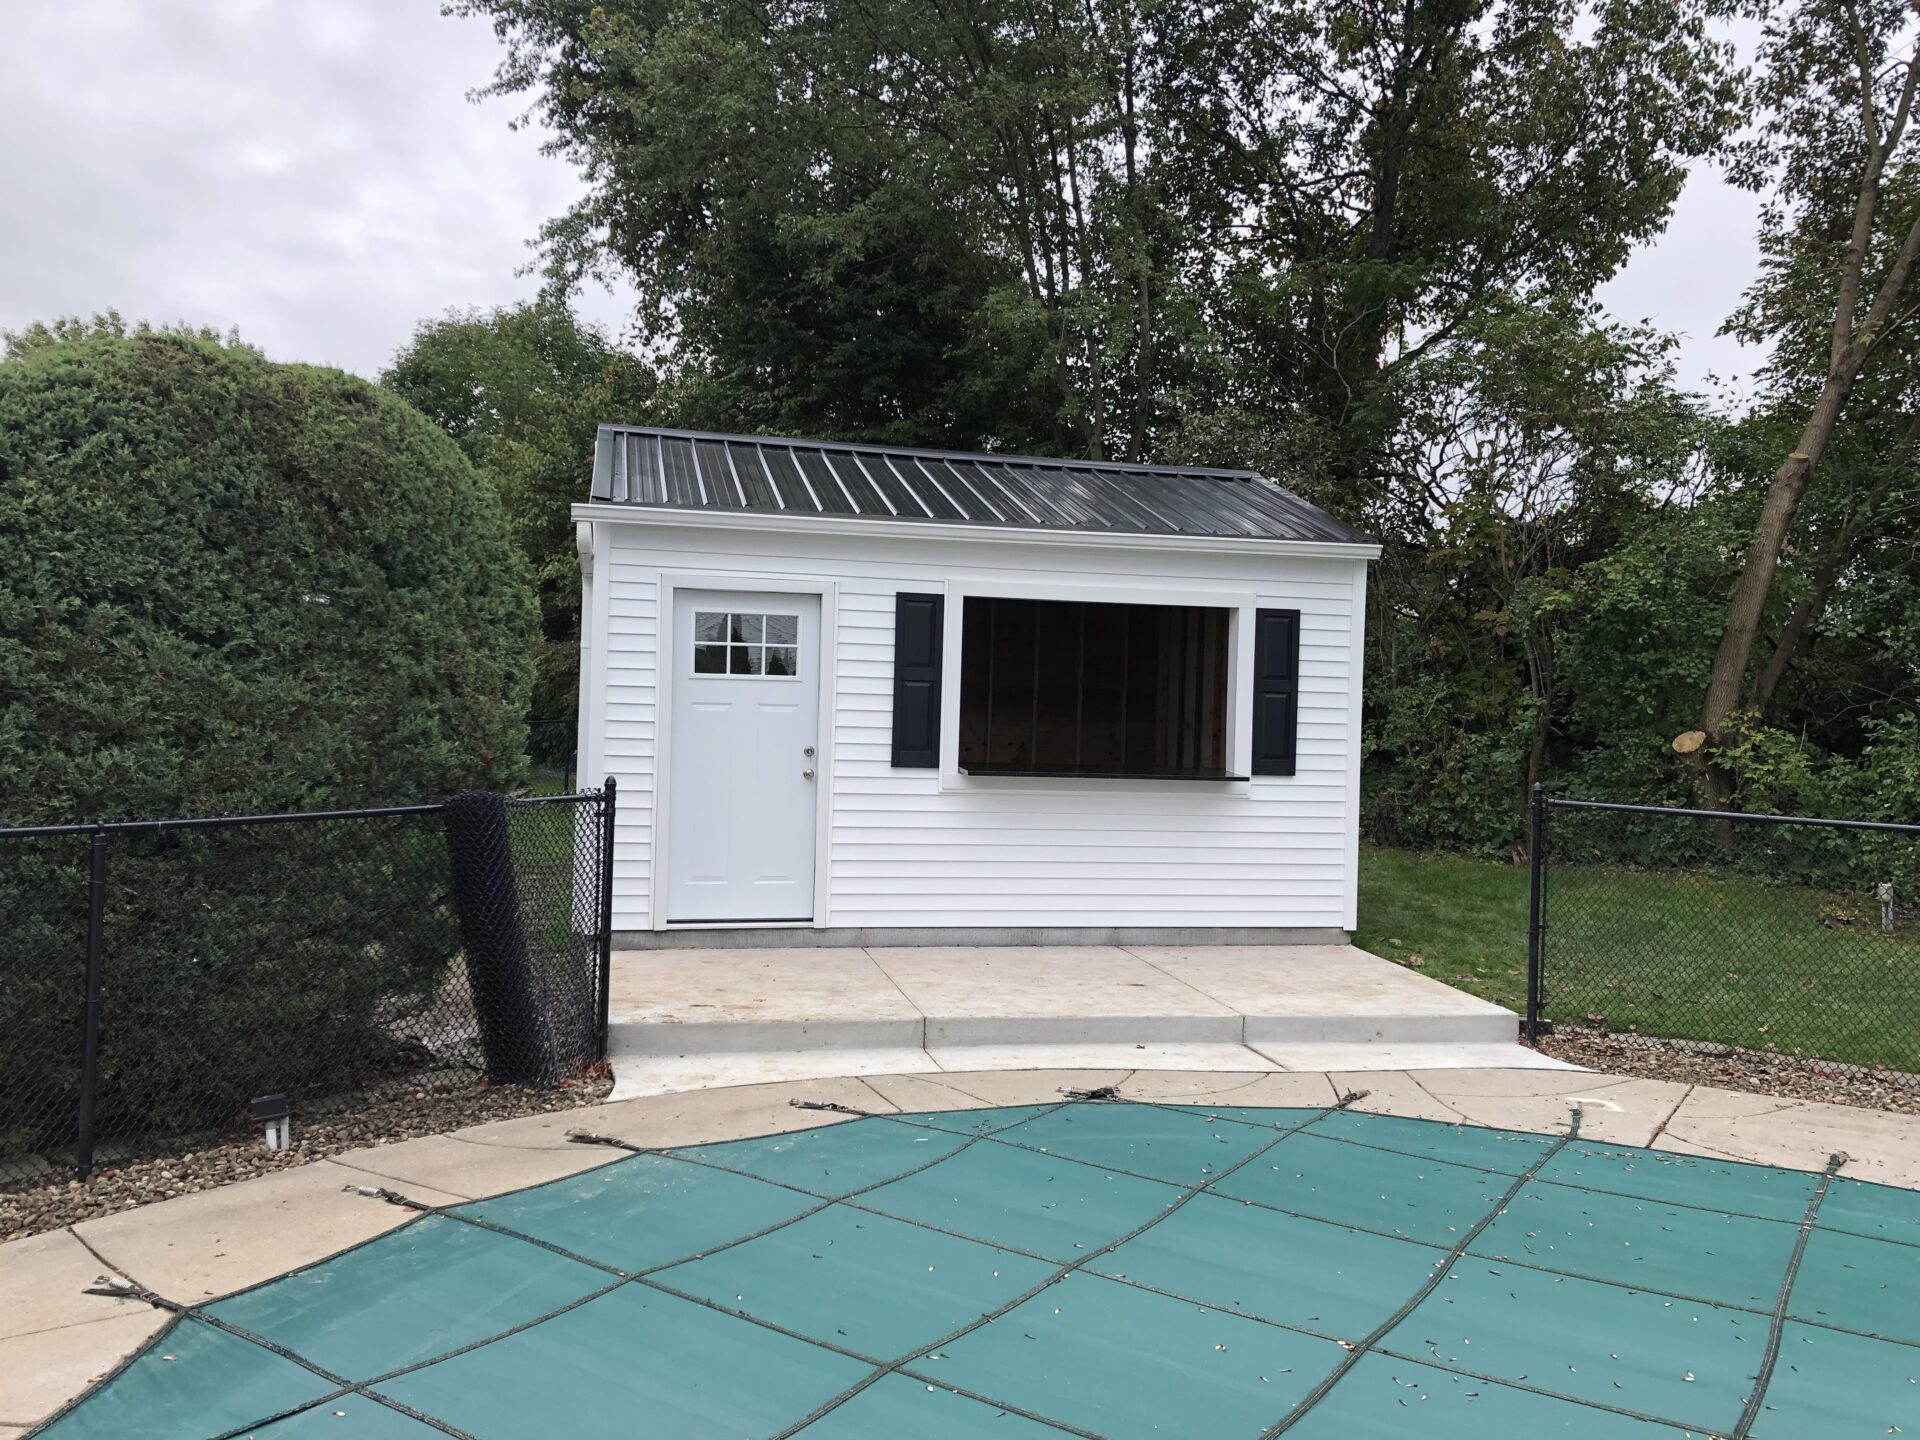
column 742, row 803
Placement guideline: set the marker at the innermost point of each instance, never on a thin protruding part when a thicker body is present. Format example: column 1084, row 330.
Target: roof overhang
column 789, row 521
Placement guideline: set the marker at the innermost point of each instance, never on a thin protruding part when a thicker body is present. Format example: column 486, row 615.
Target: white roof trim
column 781, row 521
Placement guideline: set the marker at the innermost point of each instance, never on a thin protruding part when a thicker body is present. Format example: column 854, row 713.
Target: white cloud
column 310, row 173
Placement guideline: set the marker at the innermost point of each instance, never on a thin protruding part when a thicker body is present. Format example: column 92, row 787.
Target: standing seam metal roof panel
column 648, row 467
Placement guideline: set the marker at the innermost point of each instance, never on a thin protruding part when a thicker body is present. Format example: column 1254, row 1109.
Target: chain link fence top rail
column 323, row 957
column 1780, row 934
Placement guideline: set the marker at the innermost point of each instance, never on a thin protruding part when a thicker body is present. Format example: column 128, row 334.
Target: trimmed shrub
column 235, row 586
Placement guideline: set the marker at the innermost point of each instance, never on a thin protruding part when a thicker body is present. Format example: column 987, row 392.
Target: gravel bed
column 1731, row 1068
column 397, row 1111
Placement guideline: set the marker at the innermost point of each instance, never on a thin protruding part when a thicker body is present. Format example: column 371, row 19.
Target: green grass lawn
column 1684, row 954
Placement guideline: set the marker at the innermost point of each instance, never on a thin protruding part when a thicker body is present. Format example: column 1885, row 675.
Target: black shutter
column 1276, row 689
column 918, row 621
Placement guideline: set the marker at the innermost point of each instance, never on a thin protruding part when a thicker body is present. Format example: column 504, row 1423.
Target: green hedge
column 234, row 586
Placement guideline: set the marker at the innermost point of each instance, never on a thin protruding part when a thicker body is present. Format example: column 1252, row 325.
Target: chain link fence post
column 1536, row 908
column 90, row 1023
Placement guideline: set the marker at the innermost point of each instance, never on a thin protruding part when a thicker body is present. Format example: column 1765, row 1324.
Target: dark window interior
column 1053, row 687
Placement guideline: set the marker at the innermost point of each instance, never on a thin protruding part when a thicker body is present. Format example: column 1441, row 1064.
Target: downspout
column 586, row 754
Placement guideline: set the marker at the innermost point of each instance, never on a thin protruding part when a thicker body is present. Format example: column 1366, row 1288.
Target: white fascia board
column 774, row 523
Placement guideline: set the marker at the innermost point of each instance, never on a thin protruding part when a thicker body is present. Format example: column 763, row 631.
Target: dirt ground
column 1732, row 1068
column 397, row 1113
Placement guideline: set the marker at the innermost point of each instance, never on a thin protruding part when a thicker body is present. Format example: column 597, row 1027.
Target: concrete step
column 683, row 1018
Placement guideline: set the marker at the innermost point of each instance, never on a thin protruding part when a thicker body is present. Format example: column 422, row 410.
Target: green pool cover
column 1090, row 1268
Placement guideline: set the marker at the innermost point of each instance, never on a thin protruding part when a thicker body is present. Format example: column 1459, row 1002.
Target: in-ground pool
column 1091, row 1268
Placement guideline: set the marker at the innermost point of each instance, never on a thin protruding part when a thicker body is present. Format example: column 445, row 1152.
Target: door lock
column 808, row 752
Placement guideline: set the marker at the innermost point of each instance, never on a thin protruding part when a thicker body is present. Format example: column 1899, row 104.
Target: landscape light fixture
column 274, row 1116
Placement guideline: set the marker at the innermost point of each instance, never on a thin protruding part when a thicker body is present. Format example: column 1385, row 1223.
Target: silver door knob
column 806, row 774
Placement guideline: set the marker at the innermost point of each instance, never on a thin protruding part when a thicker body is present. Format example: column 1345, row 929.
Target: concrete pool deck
column 55, row 1339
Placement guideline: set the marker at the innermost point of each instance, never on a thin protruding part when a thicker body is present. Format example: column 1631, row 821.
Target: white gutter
column 789, row 520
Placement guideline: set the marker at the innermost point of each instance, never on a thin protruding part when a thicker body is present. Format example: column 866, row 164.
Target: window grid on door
column 746, row 642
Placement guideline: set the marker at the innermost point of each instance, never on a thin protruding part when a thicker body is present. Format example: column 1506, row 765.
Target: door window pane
column 745, row 643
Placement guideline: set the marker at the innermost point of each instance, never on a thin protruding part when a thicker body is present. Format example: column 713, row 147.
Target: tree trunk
column 1801, row 619
column 1749, row 601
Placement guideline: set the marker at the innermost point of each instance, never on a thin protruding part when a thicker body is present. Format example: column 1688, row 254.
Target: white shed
column 855, row 694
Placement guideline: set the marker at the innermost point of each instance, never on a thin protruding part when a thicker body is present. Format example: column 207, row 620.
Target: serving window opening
column 1075, row 688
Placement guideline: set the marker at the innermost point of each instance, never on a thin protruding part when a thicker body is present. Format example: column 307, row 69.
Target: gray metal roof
column 692, row 470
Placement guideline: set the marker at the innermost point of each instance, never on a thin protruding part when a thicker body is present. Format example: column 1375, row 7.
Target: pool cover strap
column 1447, row 1262
column 1779, row 1325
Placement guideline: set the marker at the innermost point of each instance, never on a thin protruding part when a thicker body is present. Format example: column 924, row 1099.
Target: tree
column 521, row 391
column 1376, row 178
column 1840, row 242
column 1538, row 444
column 879, row 218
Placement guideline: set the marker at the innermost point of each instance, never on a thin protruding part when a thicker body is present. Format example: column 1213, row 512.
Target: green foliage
column 521, row 391
column 243, row 586
column 1720, row 957
column 236, row 587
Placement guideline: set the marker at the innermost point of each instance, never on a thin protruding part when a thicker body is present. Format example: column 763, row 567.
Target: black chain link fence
column 1789, row 935
column 157, row 977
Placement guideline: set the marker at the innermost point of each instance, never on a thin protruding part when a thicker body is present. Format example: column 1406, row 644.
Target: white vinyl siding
column 900, row 850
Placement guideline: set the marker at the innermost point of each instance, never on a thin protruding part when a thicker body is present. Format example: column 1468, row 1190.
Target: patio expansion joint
column 874, row 960
column 1667, row 1119
column 1422, row 1087
column 1238, row 1013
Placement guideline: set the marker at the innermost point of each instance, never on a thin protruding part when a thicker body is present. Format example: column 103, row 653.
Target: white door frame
column 667, row 665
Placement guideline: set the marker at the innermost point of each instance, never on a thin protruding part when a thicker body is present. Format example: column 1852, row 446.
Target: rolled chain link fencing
column 1786, row 935
column 158, row 977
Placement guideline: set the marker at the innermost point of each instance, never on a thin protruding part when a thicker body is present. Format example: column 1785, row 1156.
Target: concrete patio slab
column 454, row 1165
column 693, row 1118
column 988, row 1088
column 948, row 984
column 1617, row 1108
column 696, row 1018
column 683, row 987
column 1798, row 1134
column 196, row 1247
column 42, row 1283
column 1406, row 1056
column 1329, row 993
column 1153, row 1055
column 1273, row 1087
column 639, row 1075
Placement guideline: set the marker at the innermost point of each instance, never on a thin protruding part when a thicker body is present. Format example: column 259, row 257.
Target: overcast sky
column 312, row 172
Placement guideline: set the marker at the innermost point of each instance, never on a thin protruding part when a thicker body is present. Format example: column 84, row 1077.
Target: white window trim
column 1240, row 601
